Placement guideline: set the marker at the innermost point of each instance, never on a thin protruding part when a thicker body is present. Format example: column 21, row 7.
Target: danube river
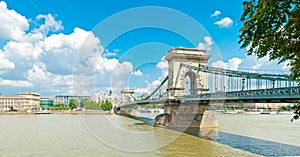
column 112, row 135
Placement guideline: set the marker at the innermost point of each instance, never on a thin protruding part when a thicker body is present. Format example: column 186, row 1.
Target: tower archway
column 178, row 74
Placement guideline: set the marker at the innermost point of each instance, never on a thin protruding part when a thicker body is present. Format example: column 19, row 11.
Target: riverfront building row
column 65, row 99
column 25, row 101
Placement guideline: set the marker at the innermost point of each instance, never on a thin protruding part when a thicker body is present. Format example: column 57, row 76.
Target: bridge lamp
column 243, row 82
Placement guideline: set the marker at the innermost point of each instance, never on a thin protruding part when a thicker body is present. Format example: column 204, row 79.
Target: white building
column 115, row 100
column 23, row 102
column 127, row 96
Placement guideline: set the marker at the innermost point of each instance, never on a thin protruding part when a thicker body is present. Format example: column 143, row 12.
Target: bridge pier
column 129, row 111
column 190, row 117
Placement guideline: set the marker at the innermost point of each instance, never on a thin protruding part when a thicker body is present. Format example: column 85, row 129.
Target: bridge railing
column 287, row 91
column 233, row 73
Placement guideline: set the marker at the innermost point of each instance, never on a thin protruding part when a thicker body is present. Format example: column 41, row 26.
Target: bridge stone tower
column 178, row 73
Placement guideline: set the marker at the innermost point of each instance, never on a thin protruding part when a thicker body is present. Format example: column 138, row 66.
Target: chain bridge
column 192, row 86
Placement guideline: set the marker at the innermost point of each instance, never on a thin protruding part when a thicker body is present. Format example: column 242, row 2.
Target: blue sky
column 73, row 47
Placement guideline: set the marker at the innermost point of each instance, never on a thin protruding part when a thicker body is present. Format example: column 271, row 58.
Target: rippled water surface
column 112, row 135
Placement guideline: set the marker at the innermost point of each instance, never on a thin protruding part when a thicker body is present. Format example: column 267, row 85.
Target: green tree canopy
column 272, row 28
column 106, row 105
column 90, row 104
column 73, row 103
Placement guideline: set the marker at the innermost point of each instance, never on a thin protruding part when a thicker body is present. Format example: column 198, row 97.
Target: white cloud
column 5, row 63
column 264, row 64
column 13, row 25
column 26, row 50
column 163, row 64
column 220, row 64
column 233, row 63
column 110, row 54
column 253, row 63
column 37, row 73
column 151, row 86
column 15, row 83
column 44, row 60
column 216, row 13
column 207, row 45
column 50, row 25
column 137, row 73
column 121, row 75
column 225, row 22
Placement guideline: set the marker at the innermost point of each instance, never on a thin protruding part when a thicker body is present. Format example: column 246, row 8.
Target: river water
column 112, row 135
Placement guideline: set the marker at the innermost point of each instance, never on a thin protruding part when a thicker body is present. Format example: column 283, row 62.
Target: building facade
column 46, row 102
column 127, row 96
column 65, row 99
column 178, row 74
column 23, row 102
column 114, row 99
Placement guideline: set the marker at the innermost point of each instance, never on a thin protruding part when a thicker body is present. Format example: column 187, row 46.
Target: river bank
column 58, row 112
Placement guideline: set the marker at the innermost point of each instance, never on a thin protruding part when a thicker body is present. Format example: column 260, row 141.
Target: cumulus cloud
column 5, row 63
column 264, row 64
column 207, row 44
column 121, row 75
column 232, row 64
column 15, row 83
column 13, row 25
column 216, row 13
column 163, row 66
column 50, row 24
column 225, row 22
column 38, row 72
column 149, row 88
column 107, row 53
column 220, row 64
column 137, row 73
column 253, row 63
column 42, row 58
column 27, row 50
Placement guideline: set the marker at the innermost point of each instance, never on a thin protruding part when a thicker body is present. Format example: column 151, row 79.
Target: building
column 23, row 102
column 127, row 96
column 114, row 99
column 65, row 99
column 46, row 102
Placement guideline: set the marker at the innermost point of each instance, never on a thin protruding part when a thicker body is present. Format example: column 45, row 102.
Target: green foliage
column 73, row 103
column 106, row 105
column 296, row 109
column 60, row 107
column 93, row 105
column 272, row 28
column 90, row 104
column 285, row 108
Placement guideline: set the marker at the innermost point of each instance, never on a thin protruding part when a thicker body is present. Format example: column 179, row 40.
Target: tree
column 60, row 107
column 73, row 103
column 296, row 110
column 272, row 28
column 84, row 102
column 90, row 104
column 106, row 105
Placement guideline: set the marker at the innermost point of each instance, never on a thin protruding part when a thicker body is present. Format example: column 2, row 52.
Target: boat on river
column 43, row 112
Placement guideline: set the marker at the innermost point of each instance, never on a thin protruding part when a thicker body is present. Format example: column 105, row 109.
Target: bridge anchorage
column 193, row 88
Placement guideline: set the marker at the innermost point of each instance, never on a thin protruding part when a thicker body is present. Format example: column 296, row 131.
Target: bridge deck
column 288, row 94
